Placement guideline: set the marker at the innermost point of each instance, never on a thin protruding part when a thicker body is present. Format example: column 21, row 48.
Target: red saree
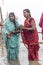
column 31, row 39
column 41, row 22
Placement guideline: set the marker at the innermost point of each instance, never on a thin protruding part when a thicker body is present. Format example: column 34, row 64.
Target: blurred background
column 17, row 6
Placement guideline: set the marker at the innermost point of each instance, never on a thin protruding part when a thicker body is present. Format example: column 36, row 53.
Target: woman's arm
column 21, row 27
column 33, row 26
column 15, row 32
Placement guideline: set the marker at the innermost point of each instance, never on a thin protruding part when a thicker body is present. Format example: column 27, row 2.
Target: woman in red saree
column 30, row 37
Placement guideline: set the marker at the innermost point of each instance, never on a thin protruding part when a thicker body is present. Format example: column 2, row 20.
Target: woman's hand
column 9, row 34
column 15, row 32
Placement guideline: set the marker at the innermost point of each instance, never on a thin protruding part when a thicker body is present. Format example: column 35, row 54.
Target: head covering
column 11, row 13
column 14, row 21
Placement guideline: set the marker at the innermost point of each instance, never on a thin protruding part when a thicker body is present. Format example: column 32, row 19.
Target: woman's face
column 25, row 14
column 11, row 17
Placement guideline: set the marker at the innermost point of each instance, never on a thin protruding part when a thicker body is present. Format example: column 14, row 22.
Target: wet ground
column 23, row 55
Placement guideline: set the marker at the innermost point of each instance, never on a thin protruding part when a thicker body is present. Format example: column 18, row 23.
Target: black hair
column 27, row 10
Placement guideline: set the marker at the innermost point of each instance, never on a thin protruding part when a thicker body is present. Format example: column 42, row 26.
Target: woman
column 12, row 39
column 41, row 24
column 30, row 38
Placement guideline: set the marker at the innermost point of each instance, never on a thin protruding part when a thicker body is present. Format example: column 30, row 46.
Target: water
column 23, row 55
